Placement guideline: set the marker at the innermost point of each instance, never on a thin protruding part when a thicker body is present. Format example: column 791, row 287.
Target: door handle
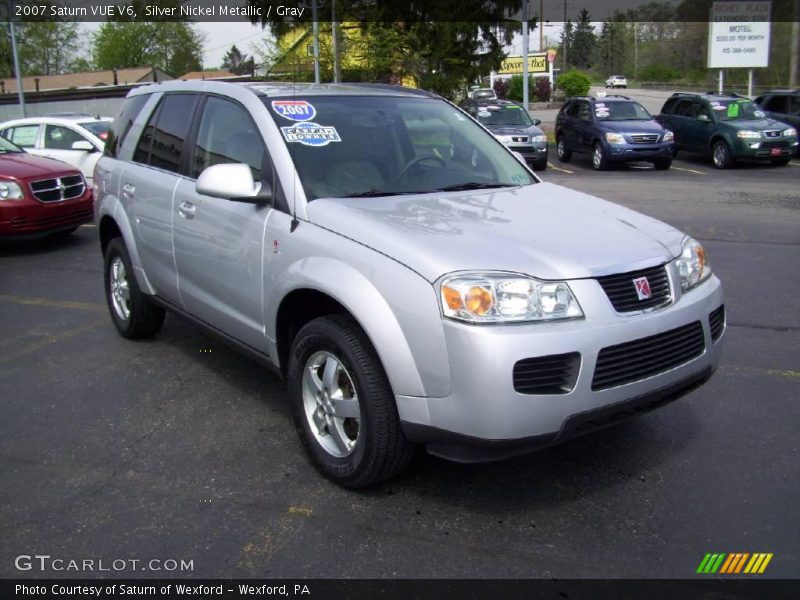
column 128, row 190
column 187, row 209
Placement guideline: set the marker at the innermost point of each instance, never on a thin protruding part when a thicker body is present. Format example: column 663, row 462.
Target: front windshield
column 737, row 110
column 348, row 146
column 6, row 146
column 504, row 115
column 621, row 111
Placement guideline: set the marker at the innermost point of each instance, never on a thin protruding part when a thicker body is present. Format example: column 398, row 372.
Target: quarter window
column 122, row 124
column 23, row 136
column 172, row 128
column 227, row 134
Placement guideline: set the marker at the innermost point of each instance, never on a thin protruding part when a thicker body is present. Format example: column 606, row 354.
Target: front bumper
column 28, row 217
column 483, row 406
column 764, row 149
column 535, row 153
column 631, row 152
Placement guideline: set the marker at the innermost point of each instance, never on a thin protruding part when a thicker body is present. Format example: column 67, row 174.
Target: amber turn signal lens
column 452, row 298
column 479, row 300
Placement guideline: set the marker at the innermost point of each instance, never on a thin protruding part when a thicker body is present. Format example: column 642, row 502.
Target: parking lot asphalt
column 181, row 448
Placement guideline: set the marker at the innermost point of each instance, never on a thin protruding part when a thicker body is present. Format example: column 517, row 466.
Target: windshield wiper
column 473, row 185
column 376, row 193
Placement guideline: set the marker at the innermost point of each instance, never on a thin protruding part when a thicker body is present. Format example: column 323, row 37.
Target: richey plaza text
column 162, row 590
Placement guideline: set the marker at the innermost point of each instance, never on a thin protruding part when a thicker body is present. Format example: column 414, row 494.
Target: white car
column 75, row 138
column 483, row 94
column 617, row 81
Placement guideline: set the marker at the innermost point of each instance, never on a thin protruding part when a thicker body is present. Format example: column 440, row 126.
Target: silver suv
column 409, row 276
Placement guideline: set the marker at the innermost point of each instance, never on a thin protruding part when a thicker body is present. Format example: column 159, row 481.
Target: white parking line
column 552, row 166
column 796, row 164
column 689, row 170
column 88, row 225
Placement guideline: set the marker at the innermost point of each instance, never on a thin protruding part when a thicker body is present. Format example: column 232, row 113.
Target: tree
column 582, row 50
column 238, row 63
column 175, row 48
column 48, row 48
column 567, row 38
column 611, row 47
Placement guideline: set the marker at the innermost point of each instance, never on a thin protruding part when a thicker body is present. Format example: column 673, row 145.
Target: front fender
column 422, row 371
column 113, row 209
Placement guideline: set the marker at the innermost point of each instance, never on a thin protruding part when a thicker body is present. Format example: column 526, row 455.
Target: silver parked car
column 412, row 280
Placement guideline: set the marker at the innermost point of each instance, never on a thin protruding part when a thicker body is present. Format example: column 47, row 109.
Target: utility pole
column 795, row 46
column 525, row 54
column 566, row 44
column 635, row 50
column 337, row 67
column 20, row 91
column 315, row 26
column 541, row 25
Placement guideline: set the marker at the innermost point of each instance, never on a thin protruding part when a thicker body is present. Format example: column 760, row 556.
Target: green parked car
column 728, row 127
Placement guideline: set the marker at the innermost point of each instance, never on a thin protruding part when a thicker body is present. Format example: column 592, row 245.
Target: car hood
column 755, row 124
column 632, row 126
column 514, row 130
column 543, row 230
column 22, row 165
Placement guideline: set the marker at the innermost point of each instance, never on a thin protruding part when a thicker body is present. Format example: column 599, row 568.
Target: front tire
column 663, row 164
column 599, row 160
column 132, row 313
column 539, row 166
column 564, row 154
column 721, row 155
column 343, row 406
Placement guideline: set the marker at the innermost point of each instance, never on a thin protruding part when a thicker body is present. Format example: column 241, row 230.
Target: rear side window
column 162, row 140
column 776, row 104
column 669, row 106
column 122, row 124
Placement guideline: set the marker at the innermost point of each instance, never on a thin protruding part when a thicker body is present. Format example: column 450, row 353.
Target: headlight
column 10, row 191
column 748, row 135
column 502, row 297
column 615, row 138
column 791, row 132
column 539, row 138
column 668, row 136
column 692, row 264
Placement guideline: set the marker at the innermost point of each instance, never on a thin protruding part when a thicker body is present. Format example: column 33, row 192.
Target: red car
column 39, row 195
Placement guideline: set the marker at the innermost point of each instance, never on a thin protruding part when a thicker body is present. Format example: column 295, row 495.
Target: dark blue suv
column 614, row 129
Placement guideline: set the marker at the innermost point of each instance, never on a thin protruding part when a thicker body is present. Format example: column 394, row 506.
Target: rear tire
column 132, row 313
column 564, row 154
column 721, row 155
column 663, row 164
column 346, row 418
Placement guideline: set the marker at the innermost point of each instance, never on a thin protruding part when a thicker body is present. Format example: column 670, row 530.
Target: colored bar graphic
column 733, row 563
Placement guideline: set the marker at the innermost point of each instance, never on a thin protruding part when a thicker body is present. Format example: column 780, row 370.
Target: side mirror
column 703, row 117
column 233, row 181
column 537, row 121
column 84, row 145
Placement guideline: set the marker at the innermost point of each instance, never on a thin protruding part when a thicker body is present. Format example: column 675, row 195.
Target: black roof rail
column 613, row 96
column 723, row 93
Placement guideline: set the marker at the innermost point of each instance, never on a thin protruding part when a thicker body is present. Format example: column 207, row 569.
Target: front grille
column 773, row 133
column 76, row 217
column 770, row 145
column 633, row 361
column 621, row 290
column 644, row 138
column 554, row 374
column 519, row 139
column 58, row 189
column 716, row 322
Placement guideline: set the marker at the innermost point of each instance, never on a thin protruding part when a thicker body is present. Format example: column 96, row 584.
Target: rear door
column 148, row 188
column 219, row 244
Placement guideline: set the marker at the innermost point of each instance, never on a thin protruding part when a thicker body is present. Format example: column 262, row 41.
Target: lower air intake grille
column 716, row 322
column 632, row 361
column 554, row 374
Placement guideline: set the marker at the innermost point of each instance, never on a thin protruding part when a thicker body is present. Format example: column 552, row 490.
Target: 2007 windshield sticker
column 310, row 134
column 294, row 110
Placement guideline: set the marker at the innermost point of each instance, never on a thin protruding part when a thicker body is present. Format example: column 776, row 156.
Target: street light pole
column 20, row 91
column 525, row 54
column 315, row 26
